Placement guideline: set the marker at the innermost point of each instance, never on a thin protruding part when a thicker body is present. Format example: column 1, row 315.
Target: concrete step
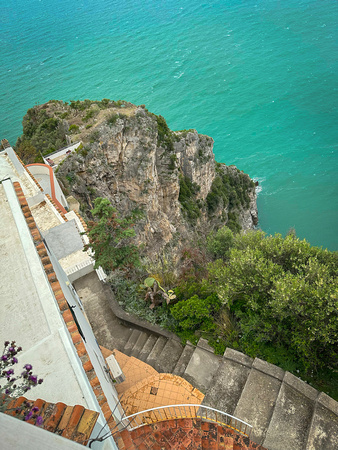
column 156, row 351
column 258, row 398
column 324, row 427
column 148, row 346
column 169, row 356
column 229, row 381
column 131, row 341
column 142, row 339
column 290, row 423
column 184, row 359
column 202, row 366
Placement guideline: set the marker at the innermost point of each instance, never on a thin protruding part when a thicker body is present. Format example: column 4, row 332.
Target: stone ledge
column 328, row 403
column 203, row 343
column 238, row 357
column 300, row 386
column 130, row 319
column 268, row 369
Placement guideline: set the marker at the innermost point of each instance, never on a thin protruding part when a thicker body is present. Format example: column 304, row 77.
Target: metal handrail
column 185, row 411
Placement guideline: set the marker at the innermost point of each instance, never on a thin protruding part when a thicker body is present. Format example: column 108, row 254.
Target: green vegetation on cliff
column 267, row 296
column 187, row 197
column 110, row 238
column 46, row 127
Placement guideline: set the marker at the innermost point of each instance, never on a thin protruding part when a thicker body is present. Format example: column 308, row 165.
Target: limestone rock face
column 134, row 160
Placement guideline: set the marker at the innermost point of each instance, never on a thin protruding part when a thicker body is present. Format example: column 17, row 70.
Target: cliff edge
column 131, row 157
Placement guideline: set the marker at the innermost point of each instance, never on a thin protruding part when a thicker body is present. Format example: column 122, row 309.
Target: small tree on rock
column 110, row 237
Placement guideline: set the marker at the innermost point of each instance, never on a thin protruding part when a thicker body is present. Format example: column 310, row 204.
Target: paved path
column 107, row 329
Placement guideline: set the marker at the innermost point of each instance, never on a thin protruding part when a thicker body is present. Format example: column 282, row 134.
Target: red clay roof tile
column 88, row 366
column 62, row 425
column 81, row 349
column 55, row 417
column 68, row 318
column 72, row 422
column 76, row 337
column 74, row 419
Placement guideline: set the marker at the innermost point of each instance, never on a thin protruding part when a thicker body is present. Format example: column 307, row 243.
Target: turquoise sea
column 259, row 76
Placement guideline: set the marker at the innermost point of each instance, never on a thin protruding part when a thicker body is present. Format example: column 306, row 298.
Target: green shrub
column 173, row 160
column 94, row 136
column 74, row 128
column 187, row 198
column 164, row 134
column 196, row 313
column 111, row 120
column 42, row 132
column 89, row 115
column 220, row 242
column 284, row 295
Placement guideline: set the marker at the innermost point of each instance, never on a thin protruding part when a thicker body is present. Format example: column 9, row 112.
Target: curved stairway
column 286, row 413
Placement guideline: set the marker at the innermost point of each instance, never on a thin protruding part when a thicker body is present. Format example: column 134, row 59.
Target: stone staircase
column 285, row 412
column 166, row 355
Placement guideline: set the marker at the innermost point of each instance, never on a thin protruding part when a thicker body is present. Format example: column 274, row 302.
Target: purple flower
column 6, row 343
column 35, row 409
column 19, row 349
column 40, row 380
column 4, row 357
column 33, row 379
column 11, row 349
column 14, row 360
column 28, row 367
column 7, row 391
column 9, row 372
column 28, row 415
column 39, row 421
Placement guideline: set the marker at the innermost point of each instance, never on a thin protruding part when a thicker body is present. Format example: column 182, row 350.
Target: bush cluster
column 187, row 198
column 41, row 133
column 271, row 297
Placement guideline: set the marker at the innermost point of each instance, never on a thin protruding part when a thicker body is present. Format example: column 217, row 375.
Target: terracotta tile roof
column 27, row 170
column 83, row 223
column 186, row 434
column 56, row 206
column 72, row 422
column 64, row 308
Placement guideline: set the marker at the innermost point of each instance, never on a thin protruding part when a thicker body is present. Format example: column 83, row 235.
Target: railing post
column 207, row 413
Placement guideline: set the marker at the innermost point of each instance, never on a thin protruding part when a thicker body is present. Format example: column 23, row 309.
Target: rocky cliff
column 131, row 157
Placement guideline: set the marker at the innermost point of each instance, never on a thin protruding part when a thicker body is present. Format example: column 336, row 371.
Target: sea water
column 258, row 76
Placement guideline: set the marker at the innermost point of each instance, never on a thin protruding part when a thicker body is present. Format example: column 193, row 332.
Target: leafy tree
column 27, row 152
column 110, row 238
column 284, row 293
column 220, row 242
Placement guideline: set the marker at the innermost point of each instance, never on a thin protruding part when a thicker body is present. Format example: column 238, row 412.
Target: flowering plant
column 13, row 386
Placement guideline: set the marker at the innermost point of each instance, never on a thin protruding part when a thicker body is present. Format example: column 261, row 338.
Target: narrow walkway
column 107, row 329
column 144, row 388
